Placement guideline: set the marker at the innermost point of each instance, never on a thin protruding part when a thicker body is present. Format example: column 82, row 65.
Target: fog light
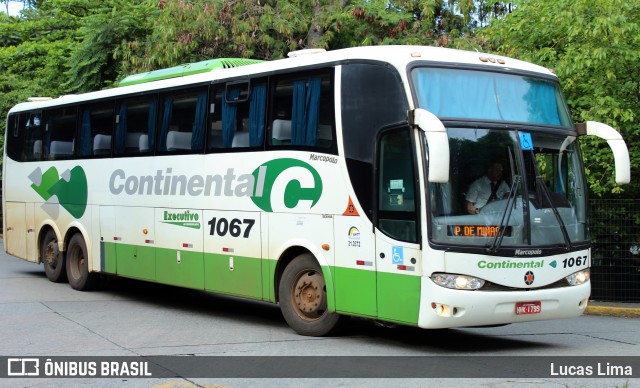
column 441, row 309
column 457, row 282
column 580, row 277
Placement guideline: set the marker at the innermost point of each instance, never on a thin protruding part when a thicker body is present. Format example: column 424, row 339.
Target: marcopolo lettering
column 528, row 252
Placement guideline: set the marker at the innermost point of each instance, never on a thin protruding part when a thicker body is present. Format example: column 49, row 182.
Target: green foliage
column 34, row 51
column 189, row 31
column 112, row 23
column 594, row 47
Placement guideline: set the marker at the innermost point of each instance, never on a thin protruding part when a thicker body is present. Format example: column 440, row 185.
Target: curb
column 610, row 311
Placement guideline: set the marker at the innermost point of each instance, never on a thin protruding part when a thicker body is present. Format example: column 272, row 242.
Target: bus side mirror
column 616, row 143
column 437, row 141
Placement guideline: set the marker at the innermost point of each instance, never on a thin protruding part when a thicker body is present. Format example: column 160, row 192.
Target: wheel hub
column 50, row 254
column 308, row 295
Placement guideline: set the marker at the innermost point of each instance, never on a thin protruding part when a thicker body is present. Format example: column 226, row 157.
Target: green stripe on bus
column 355, row 291
column 137, row 262
column 387, row 296
column 203, row 271
column 180, row 268
column 391, row 297
column 398, row 297
column 241, row 276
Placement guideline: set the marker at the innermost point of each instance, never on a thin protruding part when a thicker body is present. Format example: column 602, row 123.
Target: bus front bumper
column 444, row 308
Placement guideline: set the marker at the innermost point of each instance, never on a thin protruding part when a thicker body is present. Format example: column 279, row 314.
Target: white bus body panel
column 476, row 308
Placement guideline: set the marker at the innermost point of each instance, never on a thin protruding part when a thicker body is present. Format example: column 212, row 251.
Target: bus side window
column 396, row 190
column 24, row 136
column 302, row 113
column 14, row 138
column 238, row 115
column 135, row 125
column 214, row 138
column 183, row 121
column 96, row 128
column 33, row 137
column 60, row 131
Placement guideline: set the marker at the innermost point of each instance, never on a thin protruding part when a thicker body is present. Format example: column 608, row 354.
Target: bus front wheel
column 78, row 264
column 303, row 298
column 53, row 260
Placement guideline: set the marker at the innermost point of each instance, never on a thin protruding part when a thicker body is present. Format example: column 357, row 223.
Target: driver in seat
column 485, row 189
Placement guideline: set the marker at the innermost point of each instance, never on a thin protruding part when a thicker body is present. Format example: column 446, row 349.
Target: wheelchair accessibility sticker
column 526, row 143
column 397, row 255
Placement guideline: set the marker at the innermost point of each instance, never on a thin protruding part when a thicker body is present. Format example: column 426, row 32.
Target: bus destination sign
column 476, row 231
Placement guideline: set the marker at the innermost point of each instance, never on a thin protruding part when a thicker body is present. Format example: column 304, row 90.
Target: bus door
column 397, row 251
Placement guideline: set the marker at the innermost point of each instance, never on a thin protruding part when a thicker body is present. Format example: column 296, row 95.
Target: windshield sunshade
column 481, row 95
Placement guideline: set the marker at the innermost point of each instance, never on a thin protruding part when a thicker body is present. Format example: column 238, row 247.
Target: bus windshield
column 489, row 96
column 529, row 183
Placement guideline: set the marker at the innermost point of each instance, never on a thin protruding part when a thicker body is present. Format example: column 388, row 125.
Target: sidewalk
column 614, row 309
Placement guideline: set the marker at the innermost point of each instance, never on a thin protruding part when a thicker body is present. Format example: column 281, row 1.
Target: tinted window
column 95, row 131
column 13, row 139
column 396, row 189
column 484, row 95
column 135, row 125
column 238, row 119
column 302, row 112
column 372, row 98
column 183, row 121
column 60, row 133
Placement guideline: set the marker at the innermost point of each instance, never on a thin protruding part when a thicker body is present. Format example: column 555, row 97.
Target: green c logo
column 284, row 184
column 71, row 188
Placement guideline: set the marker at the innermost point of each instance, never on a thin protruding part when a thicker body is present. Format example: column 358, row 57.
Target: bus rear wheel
column 78, row 265
column 303, row 298
column 53, row 260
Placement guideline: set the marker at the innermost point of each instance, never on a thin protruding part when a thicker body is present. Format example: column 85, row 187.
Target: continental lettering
column 167, row 183
column 508, row 264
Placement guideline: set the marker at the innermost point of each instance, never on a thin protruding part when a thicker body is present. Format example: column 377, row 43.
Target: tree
column 47, row 50
column 58, row 47
column 34, row 49
column 594, row 47
column 188, row 31
column 111, row 24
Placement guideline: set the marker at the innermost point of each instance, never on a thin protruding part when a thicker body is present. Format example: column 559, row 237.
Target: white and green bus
column 333, row 183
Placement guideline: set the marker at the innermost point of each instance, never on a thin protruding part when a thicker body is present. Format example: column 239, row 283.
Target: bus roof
column 397, row 56
column 188, row 69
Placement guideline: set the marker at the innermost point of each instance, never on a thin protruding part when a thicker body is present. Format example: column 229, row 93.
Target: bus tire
column 52, row 258
column 303, row 298
column 78, row 265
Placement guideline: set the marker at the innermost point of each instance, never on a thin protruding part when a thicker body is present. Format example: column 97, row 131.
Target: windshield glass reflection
column 491, row 170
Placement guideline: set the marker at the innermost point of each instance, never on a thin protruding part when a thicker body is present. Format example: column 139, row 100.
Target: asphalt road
column 131, row 318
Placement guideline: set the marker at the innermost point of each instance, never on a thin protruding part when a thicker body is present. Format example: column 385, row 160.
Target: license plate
column 528, row 308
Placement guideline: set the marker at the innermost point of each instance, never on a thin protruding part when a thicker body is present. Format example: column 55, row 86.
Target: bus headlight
column 580, row 277
column 457, row 282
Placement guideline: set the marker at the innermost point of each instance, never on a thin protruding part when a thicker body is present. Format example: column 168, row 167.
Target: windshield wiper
column 563, row 227
column 497, row 239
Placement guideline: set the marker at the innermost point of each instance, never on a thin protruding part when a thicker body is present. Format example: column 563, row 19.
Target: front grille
column 489, row 286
